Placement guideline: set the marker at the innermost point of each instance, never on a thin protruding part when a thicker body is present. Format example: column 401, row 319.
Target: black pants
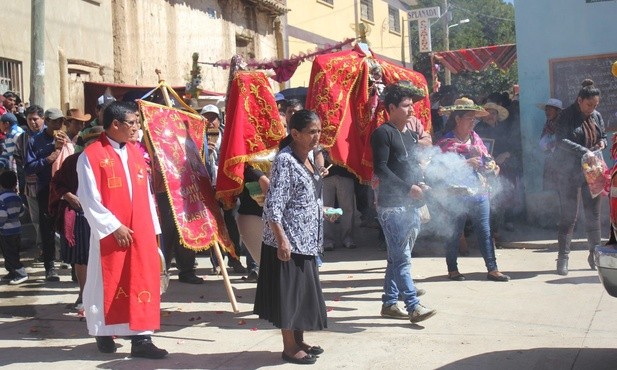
column 185, row 258
column 11, row 244
column 571, row 191
column 46, row 225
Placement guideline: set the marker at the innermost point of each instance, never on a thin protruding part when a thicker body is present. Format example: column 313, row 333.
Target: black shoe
column 500, row 277
column 105, row 344
column 306, row 360
column 252, row 277
column 8, row 277
column 191, row 279
column 147, row 349
column 456, row 276
column 237, row 266
column 51, row 275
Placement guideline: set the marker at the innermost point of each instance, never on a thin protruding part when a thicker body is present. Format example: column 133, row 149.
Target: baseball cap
column 9, row 117
column 210, row 108
column 279, row 97
column 53, row 113
column 104, row 100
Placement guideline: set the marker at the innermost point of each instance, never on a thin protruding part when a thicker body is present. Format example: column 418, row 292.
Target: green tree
column 491, row 22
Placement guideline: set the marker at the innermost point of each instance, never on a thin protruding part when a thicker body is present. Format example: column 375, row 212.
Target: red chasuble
column 130, row 275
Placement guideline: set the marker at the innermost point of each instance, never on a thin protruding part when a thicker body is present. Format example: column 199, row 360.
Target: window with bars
column 366, row 10
column 11, row 76
column 394, row 20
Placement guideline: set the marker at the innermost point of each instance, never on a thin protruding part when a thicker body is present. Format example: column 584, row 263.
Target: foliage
column 491, row 22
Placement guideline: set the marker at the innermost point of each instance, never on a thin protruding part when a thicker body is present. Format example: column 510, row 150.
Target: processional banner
column 343, row 92
column 176, row 141
column 253, row 129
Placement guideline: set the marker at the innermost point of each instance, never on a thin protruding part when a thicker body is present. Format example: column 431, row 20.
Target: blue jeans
column 478, row 209
column 400, row 226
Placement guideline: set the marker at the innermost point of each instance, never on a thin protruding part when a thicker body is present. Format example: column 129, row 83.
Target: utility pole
column 404, row 21
column 446, row 32
column 37, row 57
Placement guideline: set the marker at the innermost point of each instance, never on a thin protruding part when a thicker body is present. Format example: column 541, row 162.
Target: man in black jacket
column 399, row 195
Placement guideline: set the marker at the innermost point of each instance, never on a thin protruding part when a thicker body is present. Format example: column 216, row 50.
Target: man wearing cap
column 400, row 193
column 214, row 136
column 41, row 152
column 11, row 129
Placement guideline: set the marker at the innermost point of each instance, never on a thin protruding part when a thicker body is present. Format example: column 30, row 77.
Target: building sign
column 417, row 14
column 424, row 30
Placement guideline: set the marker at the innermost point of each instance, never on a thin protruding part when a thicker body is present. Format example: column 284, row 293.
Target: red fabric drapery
column 253, row 129
column 176, row 139
column 477, row 59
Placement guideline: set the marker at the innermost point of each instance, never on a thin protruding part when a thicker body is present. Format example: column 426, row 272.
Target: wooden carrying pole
column 166, row 89
column 230, row 292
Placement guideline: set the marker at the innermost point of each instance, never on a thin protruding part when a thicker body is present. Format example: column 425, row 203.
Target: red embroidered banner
column 340, row 94
column 177, row 143
column 253, row 129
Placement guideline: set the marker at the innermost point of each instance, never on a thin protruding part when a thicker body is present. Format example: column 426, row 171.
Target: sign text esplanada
column 424, row 13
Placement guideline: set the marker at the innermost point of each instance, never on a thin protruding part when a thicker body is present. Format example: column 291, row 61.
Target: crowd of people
column 85, row 180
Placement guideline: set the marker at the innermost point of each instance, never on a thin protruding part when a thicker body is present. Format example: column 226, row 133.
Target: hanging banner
column 341, row 95
column 253, row 129
column 424, row 30
column 176, row 139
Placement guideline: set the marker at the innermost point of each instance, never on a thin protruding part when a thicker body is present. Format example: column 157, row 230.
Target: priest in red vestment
column 122, row 292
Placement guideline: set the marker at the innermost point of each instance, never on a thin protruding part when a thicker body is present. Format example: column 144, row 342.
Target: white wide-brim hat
column 552, row 102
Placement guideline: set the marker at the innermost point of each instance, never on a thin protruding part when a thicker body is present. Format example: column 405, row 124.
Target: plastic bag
column 596, row 172
column 425, row 215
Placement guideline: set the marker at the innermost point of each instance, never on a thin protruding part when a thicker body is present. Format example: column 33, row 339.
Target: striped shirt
column 11, row 207
column 6, row 158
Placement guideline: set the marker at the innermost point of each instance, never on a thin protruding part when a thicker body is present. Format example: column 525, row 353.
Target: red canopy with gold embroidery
column 253, row 128
column 340, row 94
column 176, row 139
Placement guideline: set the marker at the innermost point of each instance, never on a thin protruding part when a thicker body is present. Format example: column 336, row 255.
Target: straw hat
column 465, row 104
column 502, row 113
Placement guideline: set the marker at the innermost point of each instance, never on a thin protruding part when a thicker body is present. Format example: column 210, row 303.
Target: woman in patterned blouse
column 288, row 289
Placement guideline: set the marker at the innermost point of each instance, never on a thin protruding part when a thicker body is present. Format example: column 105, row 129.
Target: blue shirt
column 11, row 207
column 39, row 147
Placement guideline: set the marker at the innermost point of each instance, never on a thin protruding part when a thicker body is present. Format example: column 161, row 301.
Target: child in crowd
column 11, row 208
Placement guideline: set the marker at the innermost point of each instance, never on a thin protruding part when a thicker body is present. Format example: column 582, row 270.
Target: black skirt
column 77, row 254
column 289, row 293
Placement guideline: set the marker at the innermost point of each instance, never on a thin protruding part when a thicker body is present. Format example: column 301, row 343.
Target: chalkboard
column 568, row 73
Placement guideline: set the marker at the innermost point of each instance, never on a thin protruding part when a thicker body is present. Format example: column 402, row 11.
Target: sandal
column 306, row 360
